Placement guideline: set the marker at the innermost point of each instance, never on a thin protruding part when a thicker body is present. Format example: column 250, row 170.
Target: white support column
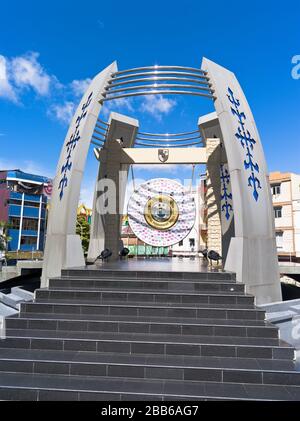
column 39, row 224
column 63, row 247
column 21, row 221
column 105, row 228
column 252, row 253
column 214, row 232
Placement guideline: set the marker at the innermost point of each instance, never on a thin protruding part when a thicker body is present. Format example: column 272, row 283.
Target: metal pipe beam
column 157, row 86
column 154, row 92
column 150, row 79
column 194, row 69
column 158, row 73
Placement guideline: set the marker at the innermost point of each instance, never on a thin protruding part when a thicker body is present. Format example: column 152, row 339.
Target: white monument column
column 252, row 252
column 213, row 194
column 211, row 132
column 112, row 176
column 63, row 247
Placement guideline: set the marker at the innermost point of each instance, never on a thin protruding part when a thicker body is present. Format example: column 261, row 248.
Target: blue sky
column 49, row 49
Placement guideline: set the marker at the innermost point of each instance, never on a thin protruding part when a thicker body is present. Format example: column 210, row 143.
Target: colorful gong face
column 161, row 212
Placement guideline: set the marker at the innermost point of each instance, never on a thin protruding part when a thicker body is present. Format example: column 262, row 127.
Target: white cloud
column 80, row 86
column 87, row 194
column 157, row 105
column 28, row 166
column 100, row 24
column 63, row 112
column 27, row 72
column 120, row 104
column 6, row 89
column 36, row 168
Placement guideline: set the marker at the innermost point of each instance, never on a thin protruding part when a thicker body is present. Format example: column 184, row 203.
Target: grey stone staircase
column 113, row 335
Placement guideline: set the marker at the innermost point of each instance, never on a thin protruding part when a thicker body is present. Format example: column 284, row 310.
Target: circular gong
column 161, row 212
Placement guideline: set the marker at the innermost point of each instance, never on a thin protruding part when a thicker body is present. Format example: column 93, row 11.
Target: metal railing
column 173, row 140
column 154, row 80
column 150, row 140
column 100, row 132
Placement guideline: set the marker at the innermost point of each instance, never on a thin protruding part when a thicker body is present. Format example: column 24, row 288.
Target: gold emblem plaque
column 161, row 212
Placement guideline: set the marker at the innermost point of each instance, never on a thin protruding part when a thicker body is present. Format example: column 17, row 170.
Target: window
column 279, row 239
column 30, row 224
column 180, row 243
column 32, row 204
column 278, row 212
column 15, row 202
column 14, row 223
column 192, row 242
column 276, row 189
column 3, row 184
column 28, row 240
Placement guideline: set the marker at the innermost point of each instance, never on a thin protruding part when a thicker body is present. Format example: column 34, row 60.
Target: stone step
column 149, row 296
column 79, row 388
column 191, row 310
column 223, row 370
column 131, row 324
column 215, row 275
column 135, row 343
column 154, row 284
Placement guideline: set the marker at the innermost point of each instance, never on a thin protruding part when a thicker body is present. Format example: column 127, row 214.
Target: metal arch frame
column 166, row 139
column 158, row 78
column 152, row 80
column 151, row 145
column 134, row 69
column 254, row 237
column 168, row 134
column 175, row 140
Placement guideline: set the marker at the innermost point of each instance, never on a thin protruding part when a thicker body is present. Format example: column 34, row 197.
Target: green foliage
column 83, row 229
column 4, row 238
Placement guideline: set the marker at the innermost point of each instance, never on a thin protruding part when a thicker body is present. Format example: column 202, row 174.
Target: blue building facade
column 24, row 199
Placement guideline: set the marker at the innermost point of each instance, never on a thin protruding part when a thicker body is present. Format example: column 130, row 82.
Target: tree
column 83, row 229
column 4, row 237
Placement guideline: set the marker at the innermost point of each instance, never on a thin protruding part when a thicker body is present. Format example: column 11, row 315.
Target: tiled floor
column 161, row 264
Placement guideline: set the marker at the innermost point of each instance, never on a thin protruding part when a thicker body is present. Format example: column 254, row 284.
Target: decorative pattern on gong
column 71, row 145
column 226, row 195
column 248, row 143
column 161, row 212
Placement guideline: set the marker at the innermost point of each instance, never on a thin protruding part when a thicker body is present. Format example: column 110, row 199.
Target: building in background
column 23, row 205
column 195, row 240
column 285, row 190
column 84, row 211
column 136, row 246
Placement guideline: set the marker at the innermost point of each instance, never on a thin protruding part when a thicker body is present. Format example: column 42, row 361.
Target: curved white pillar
column 63, row 247
column 252, row 252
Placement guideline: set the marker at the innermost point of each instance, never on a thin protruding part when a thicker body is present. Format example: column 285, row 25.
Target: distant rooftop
column 280, row 176
column 17, row 174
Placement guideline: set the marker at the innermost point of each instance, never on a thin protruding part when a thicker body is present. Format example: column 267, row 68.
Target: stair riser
column 151, row 372
column 131, row 327
column 132, row 347
column 116, row 310
column 27, row 394
column 139, row 275
column 213, row 286
column 97, row 296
